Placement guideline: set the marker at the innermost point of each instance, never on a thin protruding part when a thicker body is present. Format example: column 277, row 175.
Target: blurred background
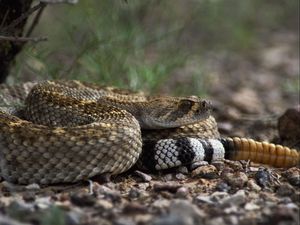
column 236, row 52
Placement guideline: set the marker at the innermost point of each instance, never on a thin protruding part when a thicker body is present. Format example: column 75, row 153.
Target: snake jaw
column 175, row 112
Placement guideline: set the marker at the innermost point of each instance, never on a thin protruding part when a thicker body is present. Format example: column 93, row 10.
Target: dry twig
column 14, row 23
column 35, row 20
column 60, row 1
column 22, row 39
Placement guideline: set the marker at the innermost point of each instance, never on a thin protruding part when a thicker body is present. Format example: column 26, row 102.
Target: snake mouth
column 157, row 123
column 186, row 111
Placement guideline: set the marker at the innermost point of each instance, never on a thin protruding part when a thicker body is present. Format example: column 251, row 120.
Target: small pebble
column 170, row 187
column 204, row 199
column 263, row 178
column 145, row 177
column 19, row 209
column 74, row 217
column 104, row 204
column 180, row 176
column 83, row 200
column 182, row 192
column 29, row 196
column 218, row 164
column 197, row 164
column 251, row 184
column 217, row 220
column 134, row 193
column 236, row 180
column 161, row 203
column 238, row 198
column 168, row 177
column 33, row 187
column 181, row 212
column 251, row 206
column 285, row 190
column 208, row 172
column 43, row 203
column 293, row 176
column 8, row 221
column 135, row 208
column 183, row 170
column 223, row 186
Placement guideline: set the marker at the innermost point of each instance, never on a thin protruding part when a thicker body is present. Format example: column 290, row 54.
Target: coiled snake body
column 66, row 131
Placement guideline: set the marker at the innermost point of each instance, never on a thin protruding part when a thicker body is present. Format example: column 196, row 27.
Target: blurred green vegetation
column 141, row 44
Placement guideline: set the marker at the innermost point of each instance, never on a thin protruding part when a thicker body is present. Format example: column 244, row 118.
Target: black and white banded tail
column 169, row 153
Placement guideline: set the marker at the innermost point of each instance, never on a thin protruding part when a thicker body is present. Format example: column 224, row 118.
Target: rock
column 33, row 187
column 237, row 199
column 19, row 210
column 219, row 195
column 263, row 178
column 145, row 177
column 204, row 199
column 74, row 217
column 222, row 186
column 104, row 204
column 122, row 221
column 181, row 212
column 289, row 125
column 236, row 180
column 43, row 203
column 208, row 172
column 180, row 176
column 231, row 219
column 83, row 199
column 213, row 199
column 8, row 221
column 293, row 176
column 109, row 193
column 182, row 192
column 29, row 196
column 251, row 206
column 247, row 101
column 285, row 200
column 135, row 208
column 218, row 164
column 235, row 165
column 168, row 177
column 169, row 186
column 217, row 220
column 183, row 170
column 134, row 193
column 197, row 164
column 251, row 184
column 232, row 209
column 161, row 204
column 285, row 190
column 284, row 215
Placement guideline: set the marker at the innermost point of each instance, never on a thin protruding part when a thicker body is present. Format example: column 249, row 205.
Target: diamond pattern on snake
column 67, row 131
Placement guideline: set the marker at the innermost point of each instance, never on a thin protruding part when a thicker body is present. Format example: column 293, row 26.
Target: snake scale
column 67, row 131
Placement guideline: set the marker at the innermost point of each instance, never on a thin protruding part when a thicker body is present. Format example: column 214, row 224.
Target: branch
column 35, row 20
column 22, row 39
column 14, row 23
column 59, row 1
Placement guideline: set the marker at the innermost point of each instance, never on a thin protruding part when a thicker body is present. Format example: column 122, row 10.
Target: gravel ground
column 221, row 193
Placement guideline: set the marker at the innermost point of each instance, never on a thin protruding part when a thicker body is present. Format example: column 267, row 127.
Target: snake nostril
column 206, row 104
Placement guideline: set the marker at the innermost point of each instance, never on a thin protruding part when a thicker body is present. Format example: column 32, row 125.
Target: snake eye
column 185, row 104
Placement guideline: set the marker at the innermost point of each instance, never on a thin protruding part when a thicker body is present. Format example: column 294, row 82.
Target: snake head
column 170, row 112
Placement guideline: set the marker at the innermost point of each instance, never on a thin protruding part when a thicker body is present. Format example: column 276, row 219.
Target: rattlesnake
column 67, row 131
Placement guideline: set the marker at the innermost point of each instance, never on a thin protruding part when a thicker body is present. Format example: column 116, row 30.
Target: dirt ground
column 248, row 96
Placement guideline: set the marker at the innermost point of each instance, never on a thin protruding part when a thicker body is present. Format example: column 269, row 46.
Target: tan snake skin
column 67, row 131
column 71, row 131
